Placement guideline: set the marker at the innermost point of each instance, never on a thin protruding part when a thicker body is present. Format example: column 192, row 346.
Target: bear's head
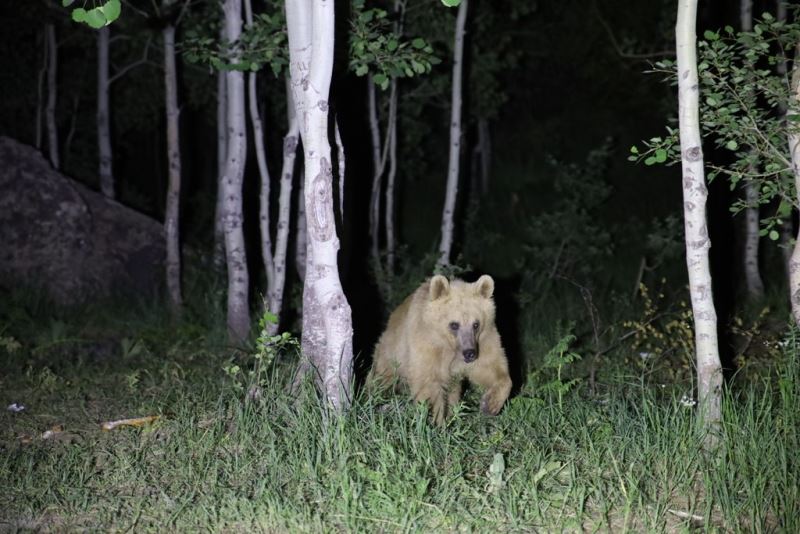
column 460, row 313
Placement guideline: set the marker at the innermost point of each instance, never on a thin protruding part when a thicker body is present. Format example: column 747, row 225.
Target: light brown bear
column 442, row 333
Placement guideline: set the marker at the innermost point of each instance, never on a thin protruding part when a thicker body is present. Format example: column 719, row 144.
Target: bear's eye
column 454, row 326
column 475, row 325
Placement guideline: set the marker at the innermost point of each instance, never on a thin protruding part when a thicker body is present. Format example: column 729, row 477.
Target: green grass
column 626, row 460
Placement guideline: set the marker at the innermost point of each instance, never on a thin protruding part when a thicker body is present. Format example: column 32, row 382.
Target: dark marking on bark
column 693, row 154
column 323, row 105
column 321, row 200
column 290, row 144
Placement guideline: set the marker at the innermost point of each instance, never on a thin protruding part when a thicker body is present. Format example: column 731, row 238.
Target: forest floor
column 225, row 456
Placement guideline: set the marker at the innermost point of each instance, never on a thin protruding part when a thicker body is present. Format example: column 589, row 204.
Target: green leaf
column 634, row 149
column 708, row 35
column 660, row 155
column 418, row 43
column 732, row 145
column 451, row 3
column 111, row 10
column 381, row 80
column 361, row 70
column 773, row 235
column 391, row 45
column 95, row 18
column 79, row 15
column 67, row 3
column 784, row 209
column 650, row 161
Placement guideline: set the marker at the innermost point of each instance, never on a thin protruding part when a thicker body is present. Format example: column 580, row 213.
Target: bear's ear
column 439, row 288
column 485, row 286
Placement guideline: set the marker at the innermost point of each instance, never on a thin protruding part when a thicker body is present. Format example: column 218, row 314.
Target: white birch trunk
column 263, row 172
column 222, row 148
column 327, row 322
column 695, row 194
column 448, row 212
column 391, row 138
column 752, row 275
column 284, row 208
column 52, row 93
column 340, row 161
column 794, row 151
column 172, row 211
column 236, row 153
column 103, row 113
column 785, row 230
column 377, row 172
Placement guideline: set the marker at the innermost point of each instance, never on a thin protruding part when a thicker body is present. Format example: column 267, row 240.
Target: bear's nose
column 469, row 355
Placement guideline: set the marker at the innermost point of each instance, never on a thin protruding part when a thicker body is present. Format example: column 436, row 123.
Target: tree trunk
column 327, row 321
column 391, row 138
column 752, row 274
column 103, row 111
column 236, row 151
column 794, row 151
column 222, row 142
column 172, row 210
column 301, row 242
column 785, row 230
column 40, row 88
column 695, row 194
column 485, row 149
column 378, row 164
column 263, row 172
column 340, row 163
column 52, row 92
column 284, row 208
column 448, row 213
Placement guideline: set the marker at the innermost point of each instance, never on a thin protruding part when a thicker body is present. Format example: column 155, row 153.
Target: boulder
column 67, row 240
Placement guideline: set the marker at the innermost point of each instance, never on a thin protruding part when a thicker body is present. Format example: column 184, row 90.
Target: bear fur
column 442, row 333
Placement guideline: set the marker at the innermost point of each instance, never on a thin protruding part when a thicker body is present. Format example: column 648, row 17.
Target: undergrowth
column 220, row 458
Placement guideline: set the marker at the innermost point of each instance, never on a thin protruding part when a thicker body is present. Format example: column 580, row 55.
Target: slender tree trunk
column 73, row 126
column 103, row 113
column 695, row 194
column 301, row 243
column 284, row 208
column 263, row 172
column 391, row 138
column 235, row 254
column 448, row 212
column 172, row 211
column 378, row 164
column 753, row 283
column 40, row 88
column 222, row 147
column 340, row 163
column 52, row 93
column 794, row 151
column 485, row 144
column 327, row 322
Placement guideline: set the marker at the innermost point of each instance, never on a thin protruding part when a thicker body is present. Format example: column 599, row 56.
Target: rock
column 71, row 242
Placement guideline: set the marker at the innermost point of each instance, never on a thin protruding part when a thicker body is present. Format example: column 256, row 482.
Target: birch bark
column 103, row 113
column 52, row 93
column 284, row 208
column 794, row 151
column 236, row 259
column 448, row 212
column 327, row 323
column 263, row 171
column 695, row 194
column 172, row 211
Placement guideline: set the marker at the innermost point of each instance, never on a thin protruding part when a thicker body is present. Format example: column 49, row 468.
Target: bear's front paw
column 491, row 405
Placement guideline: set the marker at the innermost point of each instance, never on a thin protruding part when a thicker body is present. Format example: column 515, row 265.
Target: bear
column 441, row 334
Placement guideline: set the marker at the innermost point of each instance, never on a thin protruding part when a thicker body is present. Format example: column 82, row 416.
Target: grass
column 625, row 460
